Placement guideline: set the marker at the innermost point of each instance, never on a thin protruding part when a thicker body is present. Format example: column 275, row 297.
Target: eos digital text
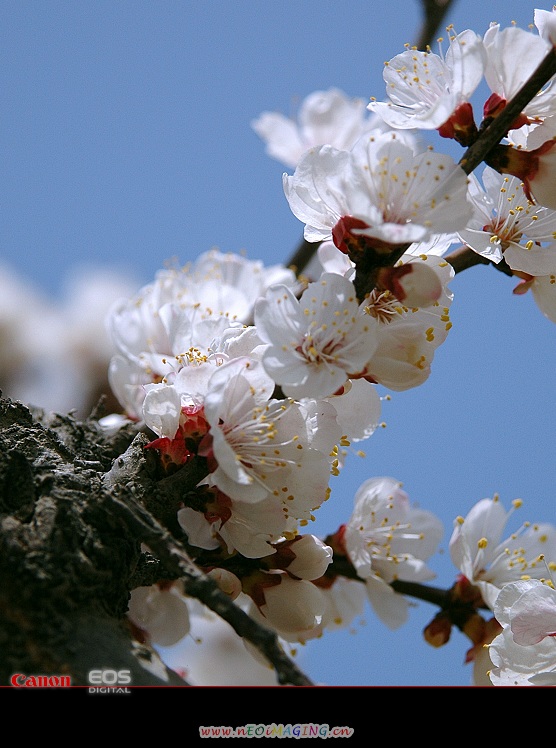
column 109, row 681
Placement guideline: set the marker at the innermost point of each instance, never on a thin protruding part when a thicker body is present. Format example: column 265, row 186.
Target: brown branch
column 493, row 130
column 65, row 559
column 198, row 585
column 139, row 501
column 458, row 604
column 464, row 257
column 434, row 11
column 74, row 516
column 302, row 256
column 342, row 566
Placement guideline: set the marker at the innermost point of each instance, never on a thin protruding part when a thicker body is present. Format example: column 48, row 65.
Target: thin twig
column 302, row 256
column 434, row 11
column 464, row 257
column 175, row 559
column 498, row 127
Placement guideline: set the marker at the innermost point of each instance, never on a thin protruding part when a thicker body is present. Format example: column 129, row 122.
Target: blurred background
column 126, row 143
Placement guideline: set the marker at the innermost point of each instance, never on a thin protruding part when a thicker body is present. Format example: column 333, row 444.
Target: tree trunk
column 68, row 553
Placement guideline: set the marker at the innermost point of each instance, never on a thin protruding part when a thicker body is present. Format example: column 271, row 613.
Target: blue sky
column 125, row 141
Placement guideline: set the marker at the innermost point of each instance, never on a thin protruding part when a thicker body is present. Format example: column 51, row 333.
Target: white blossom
column 506, row 225
column 425, row 89
column 161, row 612
column 490, row 561
column 316, row 342
column 543, row 289
column 293, row 608
column 545, row 21
column 345, row 601
column 323, row 117
column 311, row 559
column 513, row 55
column 398, row 194
column 524, row 653
column 533, row 613
column 409, row 337
column 387, row 539
column 260, row 443
column 358, row 408
column 249, row 529
column 227, row 581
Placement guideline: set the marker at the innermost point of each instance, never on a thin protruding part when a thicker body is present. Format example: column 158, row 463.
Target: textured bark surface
column 85, row 519
column 67, row 558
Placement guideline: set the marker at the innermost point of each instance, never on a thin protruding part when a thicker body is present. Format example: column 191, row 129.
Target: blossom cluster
column 256, row 380
column 386, row 185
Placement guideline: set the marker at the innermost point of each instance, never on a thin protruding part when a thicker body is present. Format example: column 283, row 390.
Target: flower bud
column 294, row 608
column 161, row 613
column 415, row 284
column 403, row 358
column 226, row 581
column 311, row 557
column 460, row 125
column 437, row 632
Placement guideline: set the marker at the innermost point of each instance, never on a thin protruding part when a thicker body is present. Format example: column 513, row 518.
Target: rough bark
column 84, row 519
column 66, row 559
